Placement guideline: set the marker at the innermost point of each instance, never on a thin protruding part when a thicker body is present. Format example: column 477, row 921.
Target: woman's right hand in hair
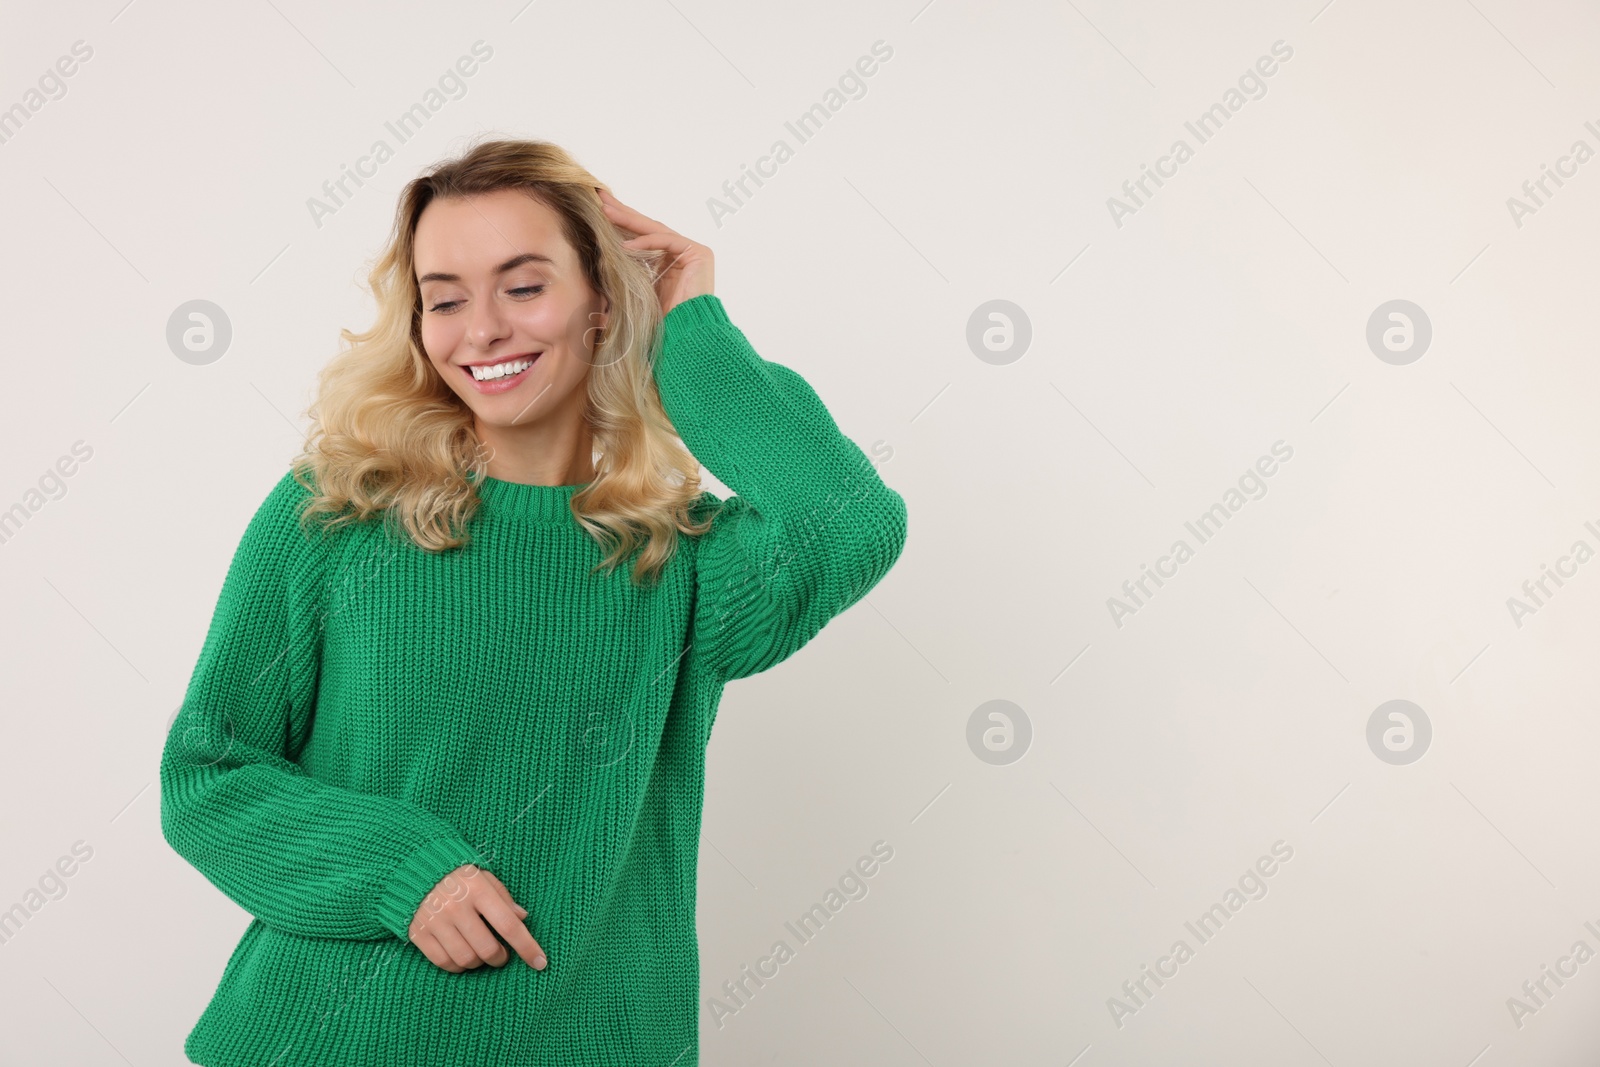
column 456, row 924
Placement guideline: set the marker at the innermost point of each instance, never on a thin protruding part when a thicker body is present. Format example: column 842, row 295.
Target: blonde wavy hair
column 390, row 437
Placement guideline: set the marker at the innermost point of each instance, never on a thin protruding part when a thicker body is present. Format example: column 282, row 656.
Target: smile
column 498, row 377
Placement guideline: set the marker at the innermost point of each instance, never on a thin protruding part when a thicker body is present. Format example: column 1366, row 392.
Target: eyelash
column 534, row 289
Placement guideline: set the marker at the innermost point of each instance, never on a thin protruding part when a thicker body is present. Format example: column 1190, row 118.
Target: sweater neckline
column 545, row 503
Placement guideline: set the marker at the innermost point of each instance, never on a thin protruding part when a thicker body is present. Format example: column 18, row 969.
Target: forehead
column 470, row 236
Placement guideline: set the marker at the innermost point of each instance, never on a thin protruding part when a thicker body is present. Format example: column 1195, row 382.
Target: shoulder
column 289, row 490
column 284, row 500
column 278, row 527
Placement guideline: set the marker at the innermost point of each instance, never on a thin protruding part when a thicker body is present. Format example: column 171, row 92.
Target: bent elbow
column 894, row 525
column 888, row 536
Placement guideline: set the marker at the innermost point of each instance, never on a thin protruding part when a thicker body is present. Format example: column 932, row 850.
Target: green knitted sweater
column 365, row 716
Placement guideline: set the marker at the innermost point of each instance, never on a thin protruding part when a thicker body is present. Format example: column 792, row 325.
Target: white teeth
column 500, row 370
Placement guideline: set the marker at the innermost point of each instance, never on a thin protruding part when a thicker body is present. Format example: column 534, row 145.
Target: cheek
column 547, row 321
column 438, row 340
column 545, row 324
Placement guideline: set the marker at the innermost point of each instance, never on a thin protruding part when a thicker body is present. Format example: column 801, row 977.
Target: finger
column 510, row 927
column 506, row 893
column 456, row 946
column 677, row 244
column 609, row 199
column 435, row 952
column 631, row 219
column 483, row 942
column 677, row 252
column 493, row 879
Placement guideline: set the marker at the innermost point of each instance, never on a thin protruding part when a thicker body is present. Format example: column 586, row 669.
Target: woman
column 436, row 723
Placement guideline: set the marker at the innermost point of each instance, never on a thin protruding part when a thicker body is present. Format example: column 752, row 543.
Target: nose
column 485, row 324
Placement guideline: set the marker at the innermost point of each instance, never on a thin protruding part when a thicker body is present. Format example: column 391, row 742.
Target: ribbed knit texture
column 366, row 716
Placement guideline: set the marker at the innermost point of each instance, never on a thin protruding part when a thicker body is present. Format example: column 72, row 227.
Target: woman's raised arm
column 812, row 526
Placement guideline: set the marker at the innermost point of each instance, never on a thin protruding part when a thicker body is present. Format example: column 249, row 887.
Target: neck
column 540, row 454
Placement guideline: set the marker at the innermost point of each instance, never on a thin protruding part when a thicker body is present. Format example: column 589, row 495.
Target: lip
column 500, row 385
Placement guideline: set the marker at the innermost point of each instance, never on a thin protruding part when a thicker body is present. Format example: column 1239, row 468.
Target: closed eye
column 533, row 290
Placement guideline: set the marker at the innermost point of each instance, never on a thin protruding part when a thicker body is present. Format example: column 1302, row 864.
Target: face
column 508, row 317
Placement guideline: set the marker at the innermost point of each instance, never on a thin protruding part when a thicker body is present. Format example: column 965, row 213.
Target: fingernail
column 538, row 963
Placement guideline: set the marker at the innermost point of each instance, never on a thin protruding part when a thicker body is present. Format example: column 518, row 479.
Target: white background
column 1227, row 313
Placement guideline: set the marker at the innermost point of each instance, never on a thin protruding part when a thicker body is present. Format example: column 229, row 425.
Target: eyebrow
column 511, row 264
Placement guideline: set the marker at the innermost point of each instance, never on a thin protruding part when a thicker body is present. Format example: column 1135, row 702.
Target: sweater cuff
column 415, row 878
column 703, row 310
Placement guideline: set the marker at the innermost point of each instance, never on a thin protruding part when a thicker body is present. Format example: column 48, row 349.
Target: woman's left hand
column 688, row 266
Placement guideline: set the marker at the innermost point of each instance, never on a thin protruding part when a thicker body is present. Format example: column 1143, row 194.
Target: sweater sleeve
column 301, row 854
column 811, row 527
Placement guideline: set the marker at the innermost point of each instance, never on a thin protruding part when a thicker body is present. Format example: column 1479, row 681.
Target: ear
column 596, row 320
